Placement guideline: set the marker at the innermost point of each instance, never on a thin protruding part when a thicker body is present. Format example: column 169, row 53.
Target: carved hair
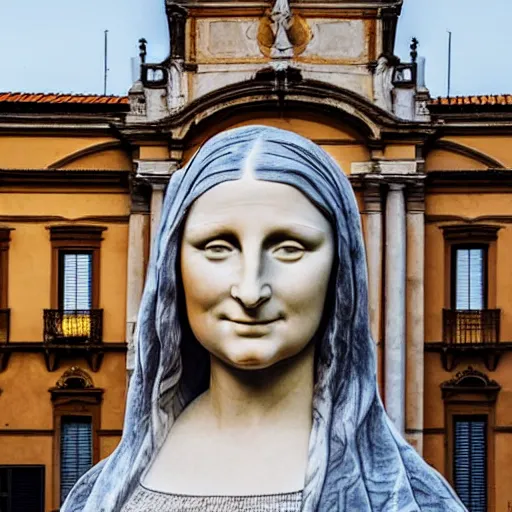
column 357, row 460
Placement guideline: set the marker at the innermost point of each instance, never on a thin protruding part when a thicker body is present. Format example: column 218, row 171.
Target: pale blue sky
column 57, row 45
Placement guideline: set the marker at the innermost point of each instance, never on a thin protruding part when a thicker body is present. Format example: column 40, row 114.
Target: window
column 470, row 262
column 470, row 461
column 21, row 488
column 469, row 400
column 470, row 316
column 75, row 317
column 76, row 412
column 75, row 266
column 75, row 451
column 75, row 275
column 470, row 277
column 75, row 293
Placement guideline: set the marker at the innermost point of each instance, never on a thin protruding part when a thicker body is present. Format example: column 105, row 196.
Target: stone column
column 157, row 199
column 157, row 173
column 137, row 258
column 372, row 221
column 394, row 343
column 415, row 315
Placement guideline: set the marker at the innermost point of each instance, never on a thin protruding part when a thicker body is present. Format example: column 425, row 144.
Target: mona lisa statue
column 255, row 381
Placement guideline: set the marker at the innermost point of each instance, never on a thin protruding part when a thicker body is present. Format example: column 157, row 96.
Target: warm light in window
column 74, row 325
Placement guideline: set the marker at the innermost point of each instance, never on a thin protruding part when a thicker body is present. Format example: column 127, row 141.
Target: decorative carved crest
column 75, row 378
column 283, row 34
column 470, row 386
column 470, row 378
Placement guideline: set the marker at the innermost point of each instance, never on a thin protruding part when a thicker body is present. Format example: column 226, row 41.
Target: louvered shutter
column 77, row 281
column 75, row 451
column 22, row 489
column 470, row 461
column 469, row 279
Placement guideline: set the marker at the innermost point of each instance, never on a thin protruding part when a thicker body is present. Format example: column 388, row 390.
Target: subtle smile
column 253, row 322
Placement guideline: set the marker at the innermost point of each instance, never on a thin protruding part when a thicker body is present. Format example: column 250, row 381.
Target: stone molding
column 468, row 384
column 156, row 170
column 415, row 198
column 474, row 232
column 73, row 376
column 385, row 167
column 372, row 197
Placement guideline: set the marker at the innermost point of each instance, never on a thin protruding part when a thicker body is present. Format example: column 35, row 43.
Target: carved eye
column 217, row 250
column 289, row 251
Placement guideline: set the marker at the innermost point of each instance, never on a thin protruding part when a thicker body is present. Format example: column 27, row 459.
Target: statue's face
column 256, row 259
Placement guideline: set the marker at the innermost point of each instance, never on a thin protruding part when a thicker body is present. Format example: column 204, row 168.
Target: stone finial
column 143, row 50
column 414, row 49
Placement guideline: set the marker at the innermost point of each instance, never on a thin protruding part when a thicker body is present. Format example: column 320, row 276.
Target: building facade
column 82, row 180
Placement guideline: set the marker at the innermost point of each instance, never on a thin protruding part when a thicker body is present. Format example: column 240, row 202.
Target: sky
column 58, row 45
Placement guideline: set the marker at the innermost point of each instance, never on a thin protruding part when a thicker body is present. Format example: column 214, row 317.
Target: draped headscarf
column 357, row 459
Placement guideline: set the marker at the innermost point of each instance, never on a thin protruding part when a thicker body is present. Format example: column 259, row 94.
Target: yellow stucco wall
column 461, row 207
column 30, row 263
column 112, row 159
column 25, row 403
column 40, row 152
column 30, row 450
column 30, row 257
column 341, row 141
column 444, row 160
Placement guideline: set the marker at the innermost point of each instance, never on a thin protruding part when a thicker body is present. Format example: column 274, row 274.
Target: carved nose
column 251, row 296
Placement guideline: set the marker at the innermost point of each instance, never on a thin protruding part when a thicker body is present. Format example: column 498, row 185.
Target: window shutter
column 22, row 488
column 75, row 451
column 470, row 279
column 77, row 281
column 470, row 462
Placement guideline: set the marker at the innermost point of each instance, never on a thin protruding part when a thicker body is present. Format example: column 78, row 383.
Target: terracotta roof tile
column 18, row 97
column 475, row 101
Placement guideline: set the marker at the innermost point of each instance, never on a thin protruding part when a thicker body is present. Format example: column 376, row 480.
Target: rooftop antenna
column 105, row 69
column 449, row 63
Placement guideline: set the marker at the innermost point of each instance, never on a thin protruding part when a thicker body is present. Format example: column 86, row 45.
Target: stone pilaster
column 157, row 199
column 157, row 174
column 137, row 258
column 394, row 344
column 372, row 222
column 415, row 315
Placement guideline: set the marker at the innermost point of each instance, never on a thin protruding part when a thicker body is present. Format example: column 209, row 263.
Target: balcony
column 66, row 334
column 73, row 326
column 469, row 327
column 73, row 332
column 469, row 334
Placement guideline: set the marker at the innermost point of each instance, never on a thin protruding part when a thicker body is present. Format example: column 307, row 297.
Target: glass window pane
column 77, row 281
column 469, row 283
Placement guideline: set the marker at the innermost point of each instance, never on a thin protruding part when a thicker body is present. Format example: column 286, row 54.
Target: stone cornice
column 372, row 122
column 500, row 178
column 28, row 178
column 61, row 124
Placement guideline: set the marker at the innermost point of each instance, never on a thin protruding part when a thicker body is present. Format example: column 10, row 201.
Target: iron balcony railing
column 5, row 317
column 73, row 326
column 469, row 327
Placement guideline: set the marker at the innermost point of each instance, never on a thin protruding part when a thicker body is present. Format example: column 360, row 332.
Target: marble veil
column 357, row 460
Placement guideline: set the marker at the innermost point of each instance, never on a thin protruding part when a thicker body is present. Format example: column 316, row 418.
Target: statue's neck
column 277, row 395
